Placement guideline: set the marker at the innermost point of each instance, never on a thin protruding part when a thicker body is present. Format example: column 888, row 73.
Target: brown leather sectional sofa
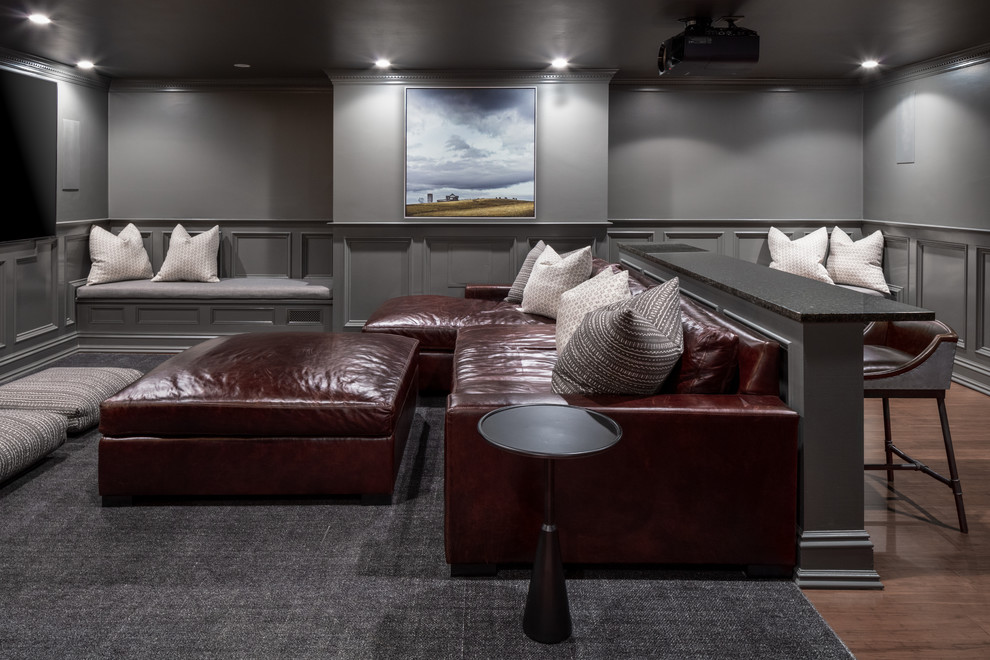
column 705, row 472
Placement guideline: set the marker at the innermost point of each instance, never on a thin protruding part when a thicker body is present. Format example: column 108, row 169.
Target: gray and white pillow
column 628, row 347
column 605, row 288
column 190, row 258
column 802, row 256
column 516, row 291
column 117, row 258
column 552, row 276
column 857, row 262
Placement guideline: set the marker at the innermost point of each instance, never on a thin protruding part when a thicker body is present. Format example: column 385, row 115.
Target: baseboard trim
column 839, row 579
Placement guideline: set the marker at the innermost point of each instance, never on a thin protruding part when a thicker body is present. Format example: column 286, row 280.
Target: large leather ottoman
column 264, row 414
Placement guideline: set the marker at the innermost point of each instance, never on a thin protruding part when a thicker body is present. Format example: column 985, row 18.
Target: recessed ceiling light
column 559, row 63
column 40, row 19
column 870, row 64
column 382, row 63
column 85, row 64
column 242, row 66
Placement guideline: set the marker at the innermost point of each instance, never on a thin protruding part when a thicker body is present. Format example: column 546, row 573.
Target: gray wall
column 84, row 109
column 948, row 184
column 220, row 153
column 571, row 148
column 735, row 154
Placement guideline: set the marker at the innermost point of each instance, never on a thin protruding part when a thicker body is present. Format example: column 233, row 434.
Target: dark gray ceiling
column 203, row 39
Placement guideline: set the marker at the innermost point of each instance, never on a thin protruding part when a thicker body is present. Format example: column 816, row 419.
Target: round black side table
column 550, row 432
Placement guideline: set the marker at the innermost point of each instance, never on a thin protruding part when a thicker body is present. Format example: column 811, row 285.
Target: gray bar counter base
column 820, row 328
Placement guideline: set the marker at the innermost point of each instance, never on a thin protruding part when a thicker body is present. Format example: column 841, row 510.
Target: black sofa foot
column 376, row 500
column 473, row 570
column 117, row 500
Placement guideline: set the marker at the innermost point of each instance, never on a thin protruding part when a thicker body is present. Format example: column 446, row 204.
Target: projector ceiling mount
column 704, row 49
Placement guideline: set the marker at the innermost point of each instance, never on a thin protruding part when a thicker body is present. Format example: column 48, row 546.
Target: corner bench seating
column 705, row 473
column 141, row 314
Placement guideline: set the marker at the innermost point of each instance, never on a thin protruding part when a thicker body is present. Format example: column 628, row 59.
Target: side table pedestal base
column 548, row 615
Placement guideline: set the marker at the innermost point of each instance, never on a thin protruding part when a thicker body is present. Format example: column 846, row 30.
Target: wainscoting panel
column 36, row 291
column 260, row 254
column 453, row 262
column 316, row 256
column 752, row 246
column 942, row 283
column 616, row 236
column 896, row 263
column 706, row 240
column 376, row 270
column 982, row 343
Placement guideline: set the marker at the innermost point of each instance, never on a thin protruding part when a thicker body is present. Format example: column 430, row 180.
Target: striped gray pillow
column 628, row 347
column 516, row 291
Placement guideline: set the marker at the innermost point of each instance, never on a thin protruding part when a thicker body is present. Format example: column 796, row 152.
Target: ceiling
column 203, row 39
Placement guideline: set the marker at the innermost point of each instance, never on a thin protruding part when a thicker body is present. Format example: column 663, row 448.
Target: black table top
column 792, row 296
column 549, row 430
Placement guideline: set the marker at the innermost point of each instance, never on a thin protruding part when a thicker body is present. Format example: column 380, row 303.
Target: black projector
column 703, row 49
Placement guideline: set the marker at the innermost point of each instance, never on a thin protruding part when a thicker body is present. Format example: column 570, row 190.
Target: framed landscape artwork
column 470, row 152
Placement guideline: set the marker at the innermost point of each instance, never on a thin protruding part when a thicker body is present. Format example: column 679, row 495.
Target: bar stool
column 912, row 359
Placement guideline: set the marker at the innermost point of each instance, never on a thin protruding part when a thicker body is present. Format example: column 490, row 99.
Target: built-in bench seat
column 141, row 315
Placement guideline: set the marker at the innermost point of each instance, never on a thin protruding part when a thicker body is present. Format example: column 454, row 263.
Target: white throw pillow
column 857, row 262
column 628, row 347
column 803, row 256
column 516, row 290
column 117, row 258
column 603, row 289
column 190, row 258
column 552, row 276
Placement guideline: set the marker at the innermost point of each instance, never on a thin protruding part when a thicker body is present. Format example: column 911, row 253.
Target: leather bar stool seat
column 912, row 359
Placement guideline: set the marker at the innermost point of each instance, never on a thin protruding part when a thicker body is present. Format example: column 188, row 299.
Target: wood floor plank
column 936, row 597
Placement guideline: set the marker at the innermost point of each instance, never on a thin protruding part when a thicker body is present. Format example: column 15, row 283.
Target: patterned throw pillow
column 857, row 262
column 628, row 347
column 804, row 256
column 117, row 258
column 605, row 288
column 516, row 291
column 190, row 258
column 552, row 276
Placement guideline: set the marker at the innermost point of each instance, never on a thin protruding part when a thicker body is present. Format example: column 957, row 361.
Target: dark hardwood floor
column 936, row 597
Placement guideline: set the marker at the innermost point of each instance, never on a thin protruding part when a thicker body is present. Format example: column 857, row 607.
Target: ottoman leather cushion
column 270, row 384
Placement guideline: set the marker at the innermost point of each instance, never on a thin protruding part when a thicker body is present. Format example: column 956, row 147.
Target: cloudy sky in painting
column 472, row 142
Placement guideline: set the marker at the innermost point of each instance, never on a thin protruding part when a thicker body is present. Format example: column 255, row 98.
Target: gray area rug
column 329, row 578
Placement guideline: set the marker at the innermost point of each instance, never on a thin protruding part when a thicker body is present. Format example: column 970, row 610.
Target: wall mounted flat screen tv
column 29, row 156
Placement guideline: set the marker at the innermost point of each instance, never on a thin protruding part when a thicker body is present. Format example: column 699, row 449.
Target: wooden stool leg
column 888, row 443
column 953, row 472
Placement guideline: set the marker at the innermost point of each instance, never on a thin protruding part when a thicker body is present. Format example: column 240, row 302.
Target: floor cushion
column 74, row 392
column 27, row 436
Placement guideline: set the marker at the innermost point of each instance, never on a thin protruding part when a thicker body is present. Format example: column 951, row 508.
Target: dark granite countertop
column 792, row 296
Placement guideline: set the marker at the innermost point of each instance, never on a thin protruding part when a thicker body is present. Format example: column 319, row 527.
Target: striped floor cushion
column 75, row 392
column 26, row 436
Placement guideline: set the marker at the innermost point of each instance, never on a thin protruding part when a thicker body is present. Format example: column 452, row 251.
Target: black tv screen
column 29, row 155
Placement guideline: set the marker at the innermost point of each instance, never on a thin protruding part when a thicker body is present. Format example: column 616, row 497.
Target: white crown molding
column 933, row 67
column 681, row 83
column 305, row 85
column 49, row 70
column 389, row 77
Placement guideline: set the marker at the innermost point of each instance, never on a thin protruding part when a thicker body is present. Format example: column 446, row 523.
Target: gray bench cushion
column 26, row 436
column 73, row 392
column 234, row 287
